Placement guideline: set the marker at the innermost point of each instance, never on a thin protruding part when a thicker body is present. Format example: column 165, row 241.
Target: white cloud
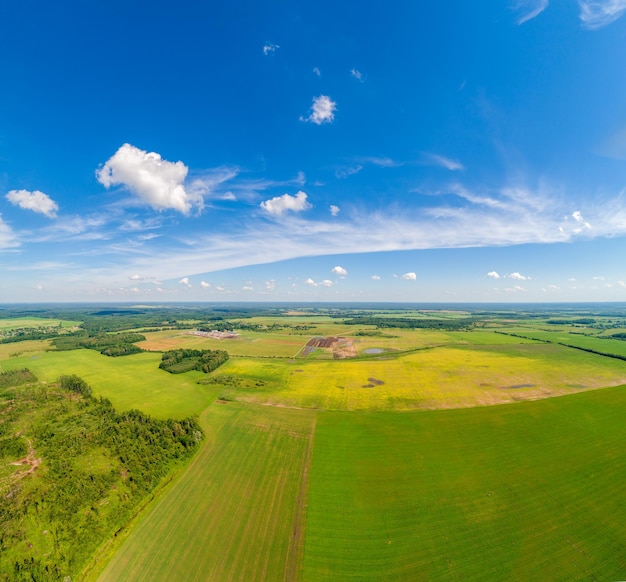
column 621, row 283
column 446, row 163
column 375, row 277
column 135, row 278
column 518, row 277
column 270, row 48
column 410, row 276
column 317, row 71
column 529, row 9
column 280, row 204
column 155, row 181
column 578, row 217
column 346, row 171
column 339, row 271
column 322, row 111
column 357, row 75
column 512, row 216
column 552, row 288
column 382, row 162
column 209, row 183
column 325, row 283
column 334, row 210
column 7, row 238
column 247, row 288
column 595, row 14
column 36, row 201
column 270, row 285
column 493, row 275
column 185, row 282
column 205, row 285
column 515, row 289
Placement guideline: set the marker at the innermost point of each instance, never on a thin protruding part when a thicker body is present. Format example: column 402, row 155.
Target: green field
column 248, row 344
column 441, row 456
column 527, row 491
column 530, row 491
column 585, row 342
column 237, row 513
column 9, row 324
column 129, row 382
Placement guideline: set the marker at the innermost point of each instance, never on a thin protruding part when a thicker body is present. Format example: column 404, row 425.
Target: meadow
column 34, row 322
column 133, row 381
column 467, row 452
column 238, row 511
column 602, row 344
column 443, row 377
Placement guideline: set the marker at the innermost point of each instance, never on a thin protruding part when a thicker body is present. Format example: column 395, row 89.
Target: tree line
column 116, row 344
column 97, row 465
column 185, row 360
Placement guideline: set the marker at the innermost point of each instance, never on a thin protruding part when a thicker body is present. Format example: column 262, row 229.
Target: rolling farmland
column 412, row 454
column 238, row 512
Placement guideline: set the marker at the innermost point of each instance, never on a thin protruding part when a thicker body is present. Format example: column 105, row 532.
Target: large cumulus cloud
column 155, row 181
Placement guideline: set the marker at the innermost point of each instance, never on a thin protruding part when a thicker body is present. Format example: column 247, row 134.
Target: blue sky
column 240, row 150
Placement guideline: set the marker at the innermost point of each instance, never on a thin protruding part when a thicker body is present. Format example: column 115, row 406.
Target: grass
column 129, row 381
column 236, row 513
column 530, row 491
column 10, row 324
column 15, row 350
column 600, row 344
column 247, row 344
column 287, row 344
column 446, row 377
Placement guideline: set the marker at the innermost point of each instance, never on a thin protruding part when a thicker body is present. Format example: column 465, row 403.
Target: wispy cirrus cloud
column 529, row 9
column 444, row 162
column 357, row 75
column 7, row 236
column 595, row 14
column 346, row 171
column 359, row 163
column 512, row 215
column 209, row 182
column 380, row 161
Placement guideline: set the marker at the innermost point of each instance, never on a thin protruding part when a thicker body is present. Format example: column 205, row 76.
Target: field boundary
column 295, row 552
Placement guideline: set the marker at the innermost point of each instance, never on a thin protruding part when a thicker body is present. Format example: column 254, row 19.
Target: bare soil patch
column 28, row 461
column 341, row 347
